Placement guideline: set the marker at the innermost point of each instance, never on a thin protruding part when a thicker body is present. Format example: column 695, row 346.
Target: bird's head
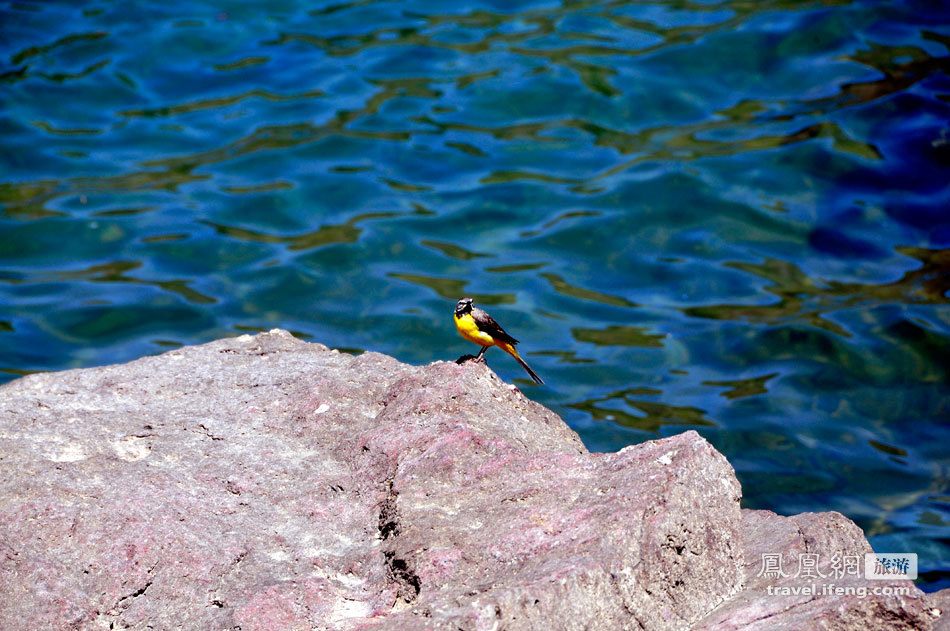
column 463, row 306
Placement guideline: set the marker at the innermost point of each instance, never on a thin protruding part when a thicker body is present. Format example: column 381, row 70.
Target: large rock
column 264, row 483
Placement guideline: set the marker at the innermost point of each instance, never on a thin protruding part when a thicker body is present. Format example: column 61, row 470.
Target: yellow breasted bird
column 475, row 325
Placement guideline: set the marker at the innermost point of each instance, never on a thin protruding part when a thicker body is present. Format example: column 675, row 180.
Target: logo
column 882, row 567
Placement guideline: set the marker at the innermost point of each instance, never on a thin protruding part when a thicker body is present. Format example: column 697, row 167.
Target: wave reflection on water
column 729, row 216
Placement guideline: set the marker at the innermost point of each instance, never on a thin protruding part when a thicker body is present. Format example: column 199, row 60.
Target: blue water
column 730, row 216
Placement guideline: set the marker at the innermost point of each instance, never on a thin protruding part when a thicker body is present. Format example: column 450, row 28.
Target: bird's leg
column 480, row 353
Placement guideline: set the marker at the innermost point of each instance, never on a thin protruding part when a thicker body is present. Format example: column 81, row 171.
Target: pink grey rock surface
column 264, row 483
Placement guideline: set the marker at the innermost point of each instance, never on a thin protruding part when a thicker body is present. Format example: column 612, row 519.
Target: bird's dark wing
column 487, row 324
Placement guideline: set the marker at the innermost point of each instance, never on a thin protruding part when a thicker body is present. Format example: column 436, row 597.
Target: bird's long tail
column 508, row 348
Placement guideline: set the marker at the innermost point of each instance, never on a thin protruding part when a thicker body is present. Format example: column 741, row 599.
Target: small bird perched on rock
column 475, row 325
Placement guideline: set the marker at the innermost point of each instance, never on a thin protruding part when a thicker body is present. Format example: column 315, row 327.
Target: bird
column 475, row 325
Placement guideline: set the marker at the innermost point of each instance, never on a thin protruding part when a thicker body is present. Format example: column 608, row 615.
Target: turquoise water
column 729, row 216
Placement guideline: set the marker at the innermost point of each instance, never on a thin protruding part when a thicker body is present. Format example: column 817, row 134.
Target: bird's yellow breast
column 469, row 330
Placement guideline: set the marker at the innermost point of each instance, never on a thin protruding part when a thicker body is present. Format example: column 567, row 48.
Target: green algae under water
column 727, row 216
